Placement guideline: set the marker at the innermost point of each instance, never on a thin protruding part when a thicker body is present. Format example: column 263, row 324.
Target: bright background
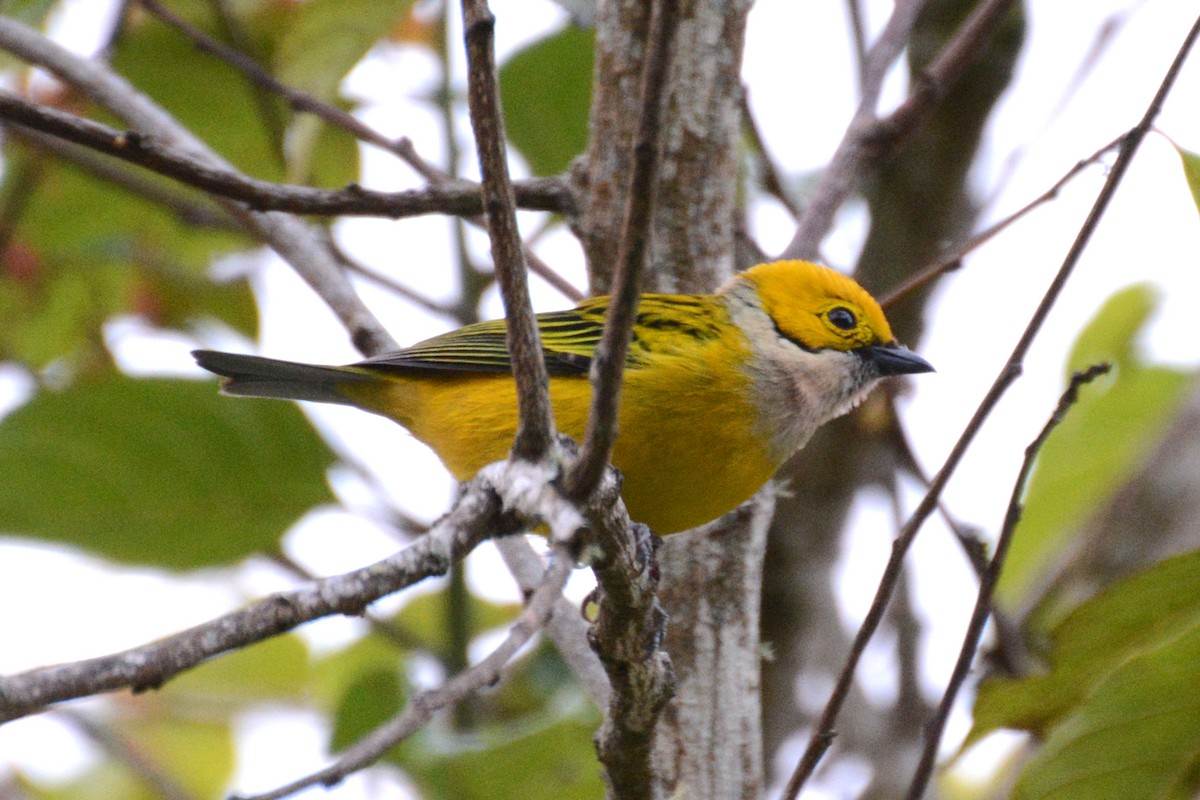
column 1059, row 109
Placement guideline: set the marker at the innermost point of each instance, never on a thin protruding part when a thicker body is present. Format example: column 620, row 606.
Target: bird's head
column 817, row 308
column 818, row 342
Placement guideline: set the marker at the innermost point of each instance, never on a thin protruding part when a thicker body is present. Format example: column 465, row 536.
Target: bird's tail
column 254, row 376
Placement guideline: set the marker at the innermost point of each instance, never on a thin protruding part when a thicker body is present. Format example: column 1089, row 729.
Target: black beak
column 893, row 359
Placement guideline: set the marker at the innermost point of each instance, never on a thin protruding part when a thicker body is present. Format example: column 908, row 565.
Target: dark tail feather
column 254, row 376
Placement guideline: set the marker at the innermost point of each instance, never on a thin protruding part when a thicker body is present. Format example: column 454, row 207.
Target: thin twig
column 535, row 429
column 422, row 707
column 296, row 99
column 156, row 154
column 387, row 281
column 127, row 754
column 953, row 261
column 151, row 665
column 771, row 180
column 870, row 139
column 823, row 735
column 191, row 210
column 987, row 586
column 566, row 628
column 858, row 32
column 608, row 364
column 392, row 632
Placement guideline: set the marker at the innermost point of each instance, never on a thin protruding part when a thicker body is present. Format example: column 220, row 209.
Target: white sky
column 1151, row 233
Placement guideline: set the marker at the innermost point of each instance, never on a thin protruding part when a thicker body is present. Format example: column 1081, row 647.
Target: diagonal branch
column 953, row 261
column 421, row 708
column 822, row 736
column 474, row 518
column 535, row 429
column 987, row 584
column 448, row 197
column 608, row 365
column 869, row 138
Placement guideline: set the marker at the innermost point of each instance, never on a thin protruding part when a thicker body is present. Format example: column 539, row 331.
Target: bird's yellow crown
column 818, row 307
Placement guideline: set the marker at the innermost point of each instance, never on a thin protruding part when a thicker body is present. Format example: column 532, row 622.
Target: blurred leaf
column 1137, row 736
column 106, row 781
column 30, row 12
column 84, row 251
column 334, row 674
column 1191, row 171
column 1137, row 615
column 551, row 757
column 196, row 754
column 159, row 472
column 425, row 618
column 276, row 669
column 371, row 700
column 546, row 90
column 174, row 299
column 320, row 44
column 212, row 99
column 324, row 39
column 1102, row 442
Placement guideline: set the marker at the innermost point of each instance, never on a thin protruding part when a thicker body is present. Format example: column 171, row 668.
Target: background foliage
column 1097, row 648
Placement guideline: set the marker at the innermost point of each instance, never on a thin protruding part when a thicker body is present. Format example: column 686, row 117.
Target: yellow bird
column 719, row 389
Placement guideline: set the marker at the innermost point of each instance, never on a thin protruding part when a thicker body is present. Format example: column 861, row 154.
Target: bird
column 719, row 389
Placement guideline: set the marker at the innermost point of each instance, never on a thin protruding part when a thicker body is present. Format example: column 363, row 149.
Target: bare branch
column 953, row 261
column 296, row 99
column 194, row 210
column 457, row 197
column 565, row 627
column 869, row 138
column 823, row 734
column 475, row 517
column 422, row 707
column 987, row 585
column 608, row 364
column 535, row 430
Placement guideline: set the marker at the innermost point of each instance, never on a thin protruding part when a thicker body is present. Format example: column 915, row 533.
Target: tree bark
column 708, row 743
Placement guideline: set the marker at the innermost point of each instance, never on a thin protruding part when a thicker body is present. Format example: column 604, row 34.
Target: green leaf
column 196, row 754
column 1101, row 443
column 546, row 90
column 108, row 780
column 1129, row 618
column 84, row 251
column 275, row 669
column 371, row 700
column 1137, row 737
column 551, row 757
column 324, row 39
column 1191, row 171
column 319, row 45
column 425, row 616
column 207, row 96
column 161, row 472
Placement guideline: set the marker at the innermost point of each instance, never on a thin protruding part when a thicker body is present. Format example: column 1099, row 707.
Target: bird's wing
column 569, row 338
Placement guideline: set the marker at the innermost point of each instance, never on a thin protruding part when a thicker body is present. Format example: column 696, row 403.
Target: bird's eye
column 842, row 318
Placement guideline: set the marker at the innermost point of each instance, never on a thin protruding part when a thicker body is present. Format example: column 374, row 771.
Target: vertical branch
column 609, row 362
column 535, row 430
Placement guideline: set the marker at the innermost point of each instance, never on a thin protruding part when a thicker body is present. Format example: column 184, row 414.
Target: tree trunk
column 709, row 740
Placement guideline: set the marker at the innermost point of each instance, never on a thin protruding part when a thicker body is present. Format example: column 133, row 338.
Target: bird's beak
column 893, row 359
